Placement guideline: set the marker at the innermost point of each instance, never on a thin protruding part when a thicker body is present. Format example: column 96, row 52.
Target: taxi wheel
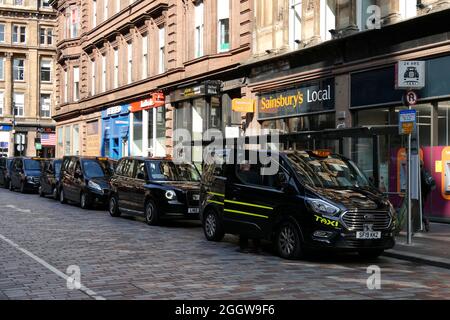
column 212, row 226
column 85, row 202
column 370, row 254
column 62, row 196
column 113, row 206
column 288, row 243
column 41, row 194
column 7, row 183
column 55, row 193
column 22, row 187
column 11, row 188
column 151, row 213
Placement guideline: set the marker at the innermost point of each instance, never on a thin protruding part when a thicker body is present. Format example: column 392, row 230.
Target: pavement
column 431, row 248
column 45, row 246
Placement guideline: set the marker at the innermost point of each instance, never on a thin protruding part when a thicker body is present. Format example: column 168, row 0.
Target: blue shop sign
column 115, row 131
column 5, row 128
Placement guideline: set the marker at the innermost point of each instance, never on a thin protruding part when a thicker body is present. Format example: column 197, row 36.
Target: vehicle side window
column 18, row 165
column 71, row 166
column 128, row 168
column 140, row 171
column 78, row 167
column 249, row 174
column 120, row 167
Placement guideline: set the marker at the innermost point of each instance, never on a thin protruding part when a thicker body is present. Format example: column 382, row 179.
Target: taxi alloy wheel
column 11, row 188
column 41, row 194
column 212, row 227
column 151, row 213
column 62, row 197
column 22, row 187
column 113, row 207
column 55, row 193
column 288, row 241
column 84, row 201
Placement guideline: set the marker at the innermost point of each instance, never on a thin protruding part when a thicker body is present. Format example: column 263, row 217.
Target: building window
column 130, row 62
column 46, row 70
column 2, row 33
column 223, row 17
column 19, row 69
column 46, row 36
column 295, row 23
column 76, row 83
column 2, row 69
column 364, row 14
column 408, row 8
column 93, row 72
column 44, row 4
column 103, row 73
column 327, row 18
column 76, row 139
column 144, row 57
column 19, row 34
column 117, row 6
column 162, row 50
column 45, row 105
column 73, row 22
column 2, row 101
column 94, row 13
column 116, row 68
column 59, row 136
column 19, row 104
column 67, row 149
column 199, row 29
column 18, row 2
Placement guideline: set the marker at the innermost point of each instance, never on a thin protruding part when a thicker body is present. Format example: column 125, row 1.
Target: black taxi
column 300, row 200
column 25, row 174
column 156, row 188
column 5, row 171
column 85, row 180
column 49, row 180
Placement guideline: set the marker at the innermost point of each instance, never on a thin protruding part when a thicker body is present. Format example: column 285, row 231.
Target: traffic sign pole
column 409, row 222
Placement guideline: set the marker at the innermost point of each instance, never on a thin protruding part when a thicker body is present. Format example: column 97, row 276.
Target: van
column 311, row 200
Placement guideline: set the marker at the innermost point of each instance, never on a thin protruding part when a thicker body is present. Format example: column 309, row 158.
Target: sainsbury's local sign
column 301, row 100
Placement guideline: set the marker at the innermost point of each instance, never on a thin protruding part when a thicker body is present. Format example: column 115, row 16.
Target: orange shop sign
column 156, row 100
column 243, row 105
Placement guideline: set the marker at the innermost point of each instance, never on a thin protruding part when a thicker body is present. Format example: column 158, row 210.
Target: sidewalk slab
column 431, row 248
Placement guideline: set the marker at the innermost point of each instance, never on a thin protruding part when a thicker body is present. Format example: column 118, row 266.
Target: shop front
column 46, row 143
column 148, row 126
column 115, row 132
column 375, row 101
column 197, row 109
column 5, row 138
column 303, row 107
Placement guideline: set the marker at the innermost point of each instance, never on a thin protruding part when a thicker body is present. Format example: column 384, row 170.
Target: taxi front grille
column 356, row 220
column 193, row 198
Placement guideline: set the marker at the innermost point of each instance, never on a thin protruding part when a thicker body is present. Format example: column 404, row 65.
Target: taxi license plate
column 193, row 210
column 368, row 235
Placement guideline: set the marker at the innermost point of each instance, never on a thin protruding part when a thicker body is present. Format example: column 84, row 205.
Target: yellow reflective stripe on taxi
column 216, row 202
column 246, row 213
column 249, row 204
column 217, row 194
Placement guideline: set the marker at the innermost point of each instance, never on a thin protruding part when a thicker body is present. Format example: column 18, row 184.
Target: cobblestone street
column 123, row 258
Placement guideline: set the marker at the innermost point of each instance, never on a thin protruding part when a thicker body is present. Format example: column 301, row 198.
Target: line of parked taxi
column 314, row 199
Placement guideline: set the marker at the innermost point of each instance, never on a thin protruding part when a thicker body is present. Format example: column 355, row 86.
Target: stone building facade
column 27, row 65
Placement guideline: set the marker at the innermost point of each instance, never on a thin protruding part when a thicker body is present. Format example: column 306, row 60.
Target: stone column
column 9, row 84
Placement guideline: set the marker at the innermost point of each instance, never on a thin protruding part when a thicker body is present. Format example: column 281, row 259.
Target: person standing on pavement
column 427, row 184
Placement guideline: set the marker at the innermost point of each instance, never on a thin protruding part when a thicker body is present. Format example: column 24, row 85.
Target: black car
column 85, row 180
column 49, row 180
column 156, row 188
column 25, row 174
column 314, row 200
column 5, row 171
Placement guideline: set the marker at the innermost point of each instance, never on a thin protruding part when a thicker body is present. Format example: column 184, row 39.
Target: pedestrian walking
column 427, row 185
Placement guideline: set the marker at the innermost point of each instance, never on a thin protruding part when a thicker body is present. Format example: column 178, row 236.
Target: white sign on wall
column 410, row 75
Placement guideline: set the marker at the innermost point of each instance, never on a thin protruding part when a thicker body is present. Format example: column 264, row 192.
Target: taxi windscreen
column 96, row 169
column 327, row 172
column 169, row 171
column 32, row 165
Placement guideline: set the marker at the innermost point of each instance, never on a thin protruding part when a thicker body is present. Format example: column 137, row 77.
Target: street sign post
column 407, row 124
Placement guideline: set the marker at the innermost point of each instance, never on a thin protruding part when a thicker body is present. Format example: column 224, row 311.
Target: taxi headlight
column 323, row 207
column 94, row 186
column 170, row 194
